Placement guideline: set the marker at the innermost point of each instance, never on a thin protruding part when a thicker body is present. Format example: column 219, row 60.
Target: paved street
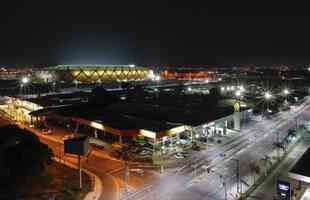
column 267, row 189
column 254, row 143
column 110, row 171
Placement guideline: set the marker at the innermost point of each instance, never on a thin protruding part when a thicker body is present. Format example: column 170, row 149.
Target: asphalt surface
column 267, row 190
column 255, row 142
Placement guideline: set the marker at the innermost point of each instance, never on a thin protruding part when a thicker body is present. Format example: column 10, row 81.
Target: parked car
column 179, row 156
column 68, row 137
column 46, row 131
column 96, row 143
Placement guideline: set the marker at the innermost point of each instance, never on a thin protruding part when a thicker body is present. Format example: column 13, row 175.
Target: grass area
column 59, row 181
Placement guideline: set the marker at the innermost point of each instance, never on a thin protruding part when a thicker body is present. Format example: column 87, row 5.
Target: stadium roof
column 89, row 66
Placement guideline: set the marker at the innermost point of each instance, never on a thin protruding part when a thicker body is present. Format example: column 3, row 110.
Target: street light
column 189, row 89
column 157, row 78
column 268, row 95
column 241, row 88
column 25, row 80
column 238, row 93
column 286, row 92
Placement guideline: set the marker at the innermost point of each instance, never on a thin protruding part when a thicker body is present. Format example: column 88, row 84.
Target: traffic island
column 59, row 182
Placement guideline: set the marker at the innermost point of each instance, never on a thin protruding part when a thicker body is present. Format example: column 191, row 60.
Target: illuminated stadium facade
column 94, row 73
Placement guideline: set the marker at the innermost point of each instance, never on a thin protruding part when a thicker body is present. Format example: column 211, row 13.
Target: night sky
column 152, row 33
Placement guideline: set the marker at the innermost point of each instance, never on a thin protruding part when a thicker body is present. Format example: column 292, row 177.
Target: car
column 179, row 156
column 96, row 143
column 68, row 137
column 46, row 131
column 183, row 141
column 138, row 171
column 145, row 152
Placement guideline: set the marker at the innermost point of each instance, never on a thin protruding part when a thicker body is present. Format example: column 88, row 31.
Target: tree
column 22, row 156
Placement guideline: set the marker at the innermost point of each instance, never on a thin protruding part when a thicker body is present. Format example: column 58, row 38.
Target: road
column 267, row 189
column 254, row 143
column 110, row 171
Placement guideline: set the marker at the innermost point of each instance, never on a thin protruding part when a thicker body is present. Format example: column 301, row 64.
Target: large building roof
column 89, row 67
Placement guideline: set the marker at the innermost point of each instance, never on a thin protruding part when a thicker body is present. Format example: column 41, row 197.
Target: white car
column 46, row 131
column 178, row 156
column 138, row 171
column 68, row 137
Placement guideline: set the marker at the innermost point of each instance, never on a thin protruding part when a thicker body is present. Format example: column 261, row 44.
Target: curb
column 97, row 187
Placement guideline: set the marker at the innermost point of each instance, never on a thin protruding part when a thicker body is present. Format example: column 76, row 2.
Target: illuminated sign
column 284, row 190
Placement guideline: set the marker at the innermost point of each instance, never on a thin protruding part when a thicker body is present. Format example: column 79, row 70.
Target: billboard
column 77, row 146
column 284, row 190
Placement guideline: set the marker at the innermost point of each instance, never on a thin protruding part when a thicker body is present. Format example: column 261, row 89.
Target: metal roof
column 90, row 66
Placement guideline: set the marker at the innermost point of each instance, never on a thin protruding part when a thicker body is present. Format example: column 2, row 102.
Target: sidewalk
column 267, row 189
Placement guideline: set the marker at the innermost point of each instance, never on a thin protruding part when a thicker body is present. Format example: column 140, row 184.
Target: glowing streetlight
column 286, row 92
column 268, row 95
column 157, row 78
column 189, row 89
column 25, row 80
column 223, row 89
column 241, row 88
column 238, row 93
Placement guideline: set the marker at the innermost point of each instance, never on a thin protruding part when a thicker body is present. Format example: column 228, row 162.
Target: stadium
column 94, row 73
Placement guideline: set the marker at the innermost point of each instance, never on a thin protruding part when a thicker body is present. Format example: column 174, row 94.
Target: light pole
column 286, row 92
column 161, row 160
column 237, row 174
column 268, row 96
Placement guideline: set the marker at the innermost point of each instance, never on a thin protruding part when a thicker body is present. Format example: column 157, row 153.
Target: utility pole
column 161, row 160
column 126, row 176
column 238, row 174
column 126, row 170
column 80, row 170
column 225, row 187
column 278, row 148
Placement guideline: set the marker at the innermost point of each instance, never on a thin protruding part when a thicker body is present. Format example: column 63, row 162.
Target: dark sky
column 97, row 32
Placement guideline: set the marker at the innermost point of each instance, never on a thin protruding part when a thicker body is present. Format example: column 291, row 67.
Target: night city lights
column 150, row 100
